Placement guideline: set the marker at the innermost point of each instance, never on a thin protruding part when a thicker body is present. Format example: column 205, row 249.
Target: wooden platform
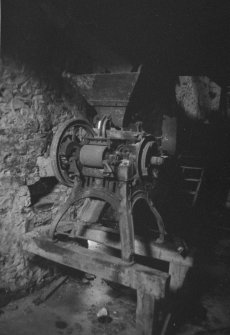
column 178, row 266
column 151, row 284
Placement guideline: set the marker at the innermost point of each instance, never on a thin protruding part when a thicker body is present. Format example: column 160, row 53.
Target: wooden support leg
column 126, row 226
column 145, row 313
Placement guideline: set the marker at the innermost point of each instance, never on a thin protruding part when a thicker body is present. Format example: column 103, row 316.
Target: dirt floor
column 72, row 309
column 203, row 306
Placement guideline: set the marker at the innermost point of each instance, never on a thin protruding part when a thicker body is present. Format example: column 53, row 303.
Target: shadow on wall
column 41, row 188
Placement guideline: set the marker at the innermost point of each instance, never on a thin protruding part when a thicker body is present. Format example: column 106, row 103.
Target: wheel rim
column 65, row 149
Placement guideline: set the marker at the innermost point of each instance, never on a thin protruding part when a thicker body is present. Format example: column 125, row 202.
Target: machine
column 113, row 171
column 109, row 164
column 113, row 175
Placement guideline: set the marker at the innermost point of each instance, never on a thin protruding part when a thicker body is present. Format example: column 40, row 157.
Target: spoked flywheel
column 65, row 149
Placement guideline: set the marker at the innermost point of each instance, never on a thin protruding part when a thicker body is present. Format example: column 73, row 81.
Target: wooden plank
column 110, row 237
column 48, row 291
column 191, row 167
column 145, row 313
column 164, row 252
column 100, row 264
column 178, row 266
column 126, row 225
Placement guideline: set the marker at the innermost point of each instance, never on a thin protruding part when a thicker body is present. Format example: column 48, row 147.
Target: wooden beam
column 46, row 292
column 110, row 238
column 145, row 312
column 126, row 225
column 100, row 264
column 178, row 265
column 150, row 284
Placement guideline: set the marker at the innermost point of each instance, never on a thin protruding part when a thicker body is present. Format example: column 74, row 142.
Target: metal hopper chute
column 108, row 93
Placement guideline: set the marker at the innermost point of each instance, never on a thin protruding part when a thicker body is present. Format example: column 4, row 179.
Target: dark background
column 185, row 37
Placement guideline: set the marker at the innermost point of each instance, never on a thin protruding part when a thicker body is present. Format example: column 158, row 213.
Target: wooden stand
column 151, row 284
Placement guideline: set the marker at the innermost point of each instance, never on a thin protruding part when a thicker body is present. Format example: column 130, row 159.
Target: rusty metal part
column 65, row 149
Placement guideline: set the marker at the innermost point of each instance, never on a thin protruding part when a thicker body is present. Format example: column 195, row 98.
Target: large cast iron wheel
column 65, row 149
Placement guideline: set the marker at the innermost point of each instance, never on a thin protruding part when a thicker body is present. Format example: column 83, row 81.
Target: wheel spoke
column 63, row 145
column 74, row 137
column 80, row 133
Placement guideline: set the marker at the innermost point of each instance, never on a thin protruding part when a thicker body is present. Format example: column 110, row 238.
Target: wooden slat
column 100, row 264
column 191, row 167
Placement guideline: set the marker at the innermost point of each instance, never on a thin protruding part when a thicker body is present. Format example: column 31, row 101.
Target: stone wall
column 198, row 96
column 30, row 109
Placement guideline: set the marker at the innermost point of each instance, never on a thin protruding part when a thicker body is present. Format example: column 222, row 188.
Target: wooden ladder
column 192, row 179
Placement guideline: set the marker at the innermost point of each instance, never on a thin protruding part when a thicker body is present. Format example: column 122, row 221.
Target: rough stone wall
column 29, row 111
column 198, row 96
column 14, row 271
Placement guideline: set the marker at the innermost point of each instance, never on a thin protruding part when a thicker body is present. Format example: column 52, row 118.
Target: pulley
column 65, row 149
